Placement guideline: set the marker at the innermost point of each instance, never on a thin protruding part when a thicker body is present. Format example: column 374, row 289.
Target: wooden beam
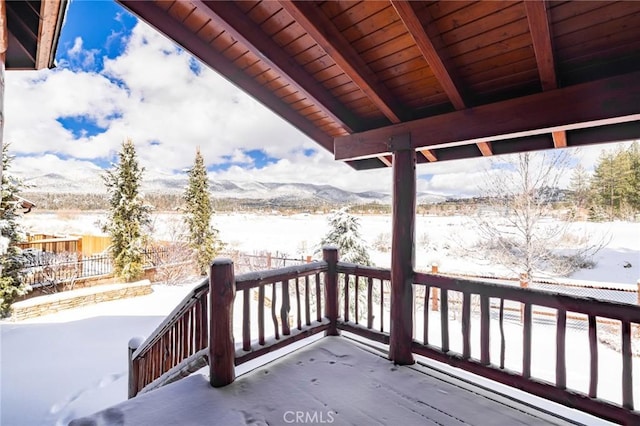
column 4, row 32
column 167, row 25
column 416, row 30
column 541, row 37
column 331, row 40
column 559, row 139
column 240, row 27
column 429, row 155
column 602, row 102
column 387, row 160
column 402, row 256
column 48, row 32
column 485, row 148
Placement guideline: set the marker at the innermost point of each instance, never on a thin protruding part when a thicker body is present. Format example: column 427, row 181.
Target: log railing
column 183, row 334
column 365, row 300
column 279, row 307
column 294, row 296
column 493, row 296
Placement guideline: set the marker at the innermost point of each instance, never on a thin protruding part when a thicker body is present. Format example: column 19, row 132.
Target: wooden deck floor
column 331, row 381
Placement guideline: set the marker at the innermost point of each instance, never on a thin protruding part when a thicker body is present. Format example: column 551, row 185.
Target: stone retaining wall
column 43, row 305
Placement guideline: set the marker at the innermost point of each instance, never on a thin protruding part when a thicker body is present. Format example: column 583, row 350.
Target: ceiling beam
column 560, row 139
column 331, row 40
column 167, row 25
column 541, row 37
column 607, row 101
column 48, row 32
column 387, row 160
column 540, row 31
column 440, row 71
column 240, row 27
column 4, row 32
column 485, row 149
column 429, row 155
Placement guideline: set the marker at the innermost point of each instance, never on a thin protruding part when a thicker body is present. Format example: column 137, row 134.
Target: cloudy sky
column 117, row 78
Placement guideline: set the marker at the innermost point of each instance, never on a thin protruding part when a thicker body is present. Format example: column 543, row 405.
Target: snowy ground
column 73, row 363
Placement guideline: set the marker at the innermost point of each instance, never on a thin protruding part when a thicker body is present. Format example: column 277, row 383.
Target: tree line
column 613, row 191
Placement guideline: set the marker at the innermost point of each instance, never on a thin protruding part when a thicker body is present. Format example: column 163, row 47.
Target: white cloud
column 150, row 94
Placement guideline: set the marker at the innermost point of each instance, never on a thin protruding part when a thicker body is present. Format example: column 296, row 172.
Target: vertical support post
column 403, row 255
column 134, row 366
column 434, row 290
column 330, row 255
column 524, row 283
column 222, row 291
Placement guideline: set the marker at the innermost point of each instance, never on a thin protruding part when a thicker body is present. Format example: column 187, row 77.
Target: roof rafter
column 485, row 149
column 541, row 37
column 608, row 101
column 441, row 71
column 331, row 40
column 236, row 23
column 429, row 52
column 429, row 155
column 199, row 48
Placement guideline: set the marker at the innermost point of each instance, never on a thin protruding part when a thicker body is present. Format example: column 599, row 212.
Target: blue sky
column 117, row 78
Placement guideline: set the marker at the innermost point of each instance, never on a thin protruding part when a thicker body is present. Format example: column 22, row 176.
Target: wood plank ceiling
column 32, row 32
column 460, row 78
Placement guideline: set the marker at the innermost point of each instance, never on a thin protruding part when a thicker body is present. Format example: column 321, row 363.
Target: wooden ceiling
column 451, row 79
column 31, row 34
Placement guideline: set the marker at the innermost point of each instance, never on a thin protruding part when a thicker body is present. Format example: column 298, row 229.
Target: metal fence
column 51, row 269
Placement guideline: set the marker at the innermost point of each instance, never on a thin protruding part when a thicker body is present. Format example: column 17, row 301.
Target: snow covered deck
column 331, row 381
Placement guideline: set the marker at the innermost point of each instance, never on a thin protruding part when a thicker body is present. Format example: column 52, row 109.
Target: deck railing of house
column 353, row 298
column 179, row 342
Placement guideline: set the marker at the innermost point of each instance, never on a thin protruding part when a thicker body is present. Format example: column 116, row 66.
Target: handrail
column 170, row 319
column 563, row 304
column 579, row 304
column 161, row 358
column 183, row 333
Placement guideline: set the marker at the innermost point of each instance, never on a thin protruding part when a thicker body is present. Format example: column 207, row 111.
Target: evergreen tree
column 633, row 195
column 203, row 238
column 10, row 261
column 610, row 181
column 579, row 185
column 128, row 216
column 344, row 233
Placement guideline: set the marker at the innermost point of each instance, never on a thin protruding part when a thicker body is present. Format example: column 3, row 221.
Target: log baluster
column 347, row 278
column 307, row 301
column 285, row 308
column 246, row 320
column 370, row 303
column 318, row 299
column 466, row 325
column 261, row 315
column 274, row 317
column 355, row 302
column 444, row 319
column 502, row 339
column 330, row 255
column 485, row 316
column 526, row 341
column 298, row 306
column 561, row 359
column 425, row 316
column 593, row 364
column 627, row 367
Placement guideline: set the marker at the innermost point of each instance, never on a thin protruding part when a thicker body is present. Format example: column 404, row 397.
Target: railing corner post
column 222, row 290
column 330, row 255
column 134, row 370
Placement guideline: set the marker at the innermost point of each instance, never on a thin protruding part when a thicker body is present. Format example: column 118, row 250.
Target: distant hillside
column 57, row 190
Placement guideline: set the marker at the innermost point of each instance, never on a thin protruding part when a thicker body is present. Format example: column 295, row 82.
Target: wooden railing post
column 434, row 290
column 402, row 250
column 524, row 283
column 330, row 255
column 222, row 291
column 134, row 370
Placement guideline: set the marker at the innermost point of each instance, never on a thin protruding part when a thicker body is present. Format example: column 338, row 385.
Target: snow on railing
column 317, row 288
column 181, row 335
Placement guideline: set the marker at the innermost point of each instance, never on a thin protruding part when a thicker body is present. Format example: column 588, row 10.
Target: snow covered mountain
column 249, row 190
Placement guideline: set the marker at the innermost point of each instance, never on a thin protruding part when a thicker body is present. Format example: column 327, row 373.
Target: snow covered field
column 73, row 363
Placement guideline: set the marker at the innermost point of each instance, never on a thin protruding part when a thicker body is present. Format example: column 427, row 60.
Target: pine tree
column 203, row 238
column 10, row 263
column 128, row 216
column 610, row 181
column 579, row 184
column 344, row 233
column 633, row 195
